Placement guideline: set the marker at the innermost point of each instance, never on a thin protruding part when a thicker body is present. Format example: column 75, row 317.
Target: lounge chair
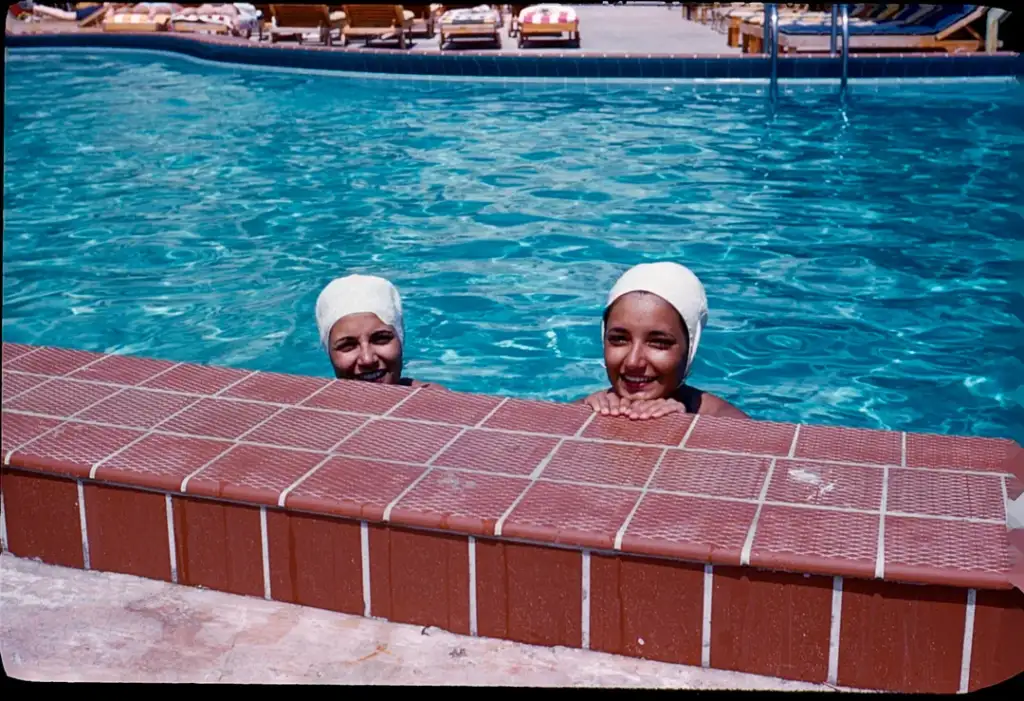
column 141, row 17
column 480, row 22
column 84, row 14
column 424, row 18
column 368, row 22
column 295, row 21
column 237, row 19
column 915, row 28
column 548, row 21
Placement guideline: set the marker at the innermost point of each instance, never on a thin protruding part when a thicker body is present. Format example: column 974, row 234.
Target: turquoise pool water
column 863, row 268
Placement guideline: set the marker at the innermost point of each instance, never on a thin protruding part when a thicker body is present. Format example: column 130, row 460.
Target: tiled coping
column 524, row 64
column 860, row 558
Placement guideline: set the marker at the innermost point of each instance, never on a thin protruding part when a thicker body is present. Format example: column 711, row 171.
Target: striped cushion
column 125, row 18
column 547, row 14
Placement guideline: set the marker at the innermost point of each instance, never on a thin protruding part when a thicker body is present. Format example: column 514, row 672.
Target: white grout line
column 215, row 458
column 472, row 586
column 792, row 446
column 28, row 353
column 748, row 544
column 288, row 490
column 579, row 432
column 265, row 544
column 689, row 430
column 1006, row 501
column 585, row 611
column 51, row 378
column 3, row 524
column 705, row 634
column 364, row 549
column 172, row 545
column 86, row 564
column 491, row 413
column 833, row 635
column 880, row 550
column 965, row 659
column 903, row 448
column 430, row 468
column 581, row 439
column 400, row 403
column 533, row 480
column 643, row 493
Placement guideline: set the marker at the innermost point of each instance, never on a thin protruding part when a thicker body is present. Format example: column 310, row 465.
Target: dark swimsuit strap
column 690, row 398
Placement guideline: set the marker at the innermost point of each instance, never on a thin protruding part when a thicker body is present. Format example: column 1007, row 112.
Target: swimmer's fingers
column 666, row 407
column 620, row 406
column 604, row 403
column 653, row 409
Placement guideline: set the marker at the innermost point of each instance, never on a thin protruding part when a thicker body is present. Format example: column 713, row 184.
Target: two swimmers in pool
column 652, row 325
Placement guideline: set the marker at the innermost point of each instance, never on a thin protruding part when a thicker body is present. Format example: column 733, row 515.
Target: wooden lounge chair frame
column 285, row 22
column 369, row 22
column 753, row 38
column 482, row 30
column 424, row 20
column 153, row 26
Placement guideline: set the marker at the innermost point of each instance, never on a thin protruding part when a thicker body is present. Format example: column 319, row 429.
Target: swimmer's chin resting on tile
column 360, row 323
column 652, row 326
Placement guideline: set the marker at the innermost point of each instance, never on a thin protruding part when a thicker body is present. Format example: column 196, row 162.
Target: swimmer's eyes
column 617, row 339
column 345, row 344
column 382, row 338
column 661, row 343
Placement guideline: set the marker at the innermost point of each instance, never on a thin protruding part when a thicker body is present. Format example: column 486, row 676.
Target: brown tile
column 540, row 417
column 136, row 408
column 398, row 440
column 420, row 578
column 353, row 488
column 742, row 436
column 571, row 514
column 196, row 379
column 52, row 361
column 359, row 397
column 602, row 463
column 127, row 531
column 315, row 561
column 218, row 418
column 14, row 383
column 306, row 428
column 815, row 541
column 18, row 429
column 122, row 370
column 691, row 528
column 998, row 637
column 771, row 623
column 42, row 518
column 824, row 484
column 737, row 476
column 219, row 546
column 161, row 462
column 492, row 451
column 646, row 608
column 958, row 553
column 901, row 638
column 914, row 491
column 431, row 404
column 529, row 593
column 958, row 452
column 73, row 449
column 277, row 388
column 467, row 502
column 849, row 445
column 253, row 474
column 61, row 398
column 668, row 430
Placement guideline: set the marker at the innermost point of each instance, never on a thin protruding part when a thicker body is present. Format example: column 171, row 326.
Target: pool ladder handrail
column 840, row 18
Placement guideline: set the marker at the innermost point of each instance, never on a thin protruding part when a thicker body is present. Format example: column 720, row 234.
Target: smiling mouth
column 375, row 376
column 637, row 383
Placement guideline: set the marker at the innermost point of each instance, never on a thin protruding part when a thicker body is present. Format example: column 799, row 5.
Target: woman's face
column 645, row 347
column 362, row 347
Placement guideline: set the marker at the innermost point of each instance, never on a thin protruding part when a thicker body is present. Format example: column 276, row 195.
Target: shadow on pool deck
column 642, row 29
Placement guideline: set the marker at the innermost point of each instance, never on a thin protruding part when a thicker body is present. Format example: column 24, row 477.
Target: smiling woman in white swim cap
column 653, row 321
column 360, row 323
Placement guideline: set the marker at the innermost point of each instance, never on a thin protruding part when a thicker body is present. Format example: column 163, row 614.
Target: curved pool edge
column 523, row 65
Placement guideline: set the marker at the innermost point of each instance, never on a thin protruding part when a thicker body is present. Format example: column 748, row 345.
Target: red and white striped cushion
column 547, row 14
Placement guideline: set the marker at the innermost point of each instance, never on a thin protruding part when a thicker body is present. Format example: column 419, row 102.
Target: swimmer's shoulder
column 409, row 382
column 698, row 401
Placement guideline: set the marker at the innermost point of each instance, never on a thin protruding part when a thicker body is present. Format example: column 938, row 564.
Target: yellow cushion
column 409, row 14
column 337, row 16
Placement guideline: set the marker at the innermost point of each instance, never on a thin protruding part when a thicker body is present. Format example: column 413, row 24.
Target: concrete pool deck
column 640, row 29
column 121, row 628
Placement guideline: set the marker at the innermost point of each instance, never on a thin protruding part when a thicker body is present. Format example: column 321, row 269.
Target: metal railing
column 840, row 31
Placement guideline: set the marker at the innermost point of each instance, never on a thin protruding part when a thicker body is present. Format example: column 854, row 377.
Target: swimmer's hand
column 610, row 404
column 654, row 409
column 607, row 403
